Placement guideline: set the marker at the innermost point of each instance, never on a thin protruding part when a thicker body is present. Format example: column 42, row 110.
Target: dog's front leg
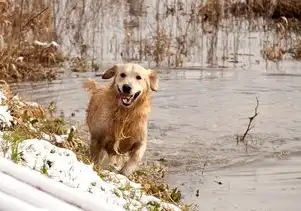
column 136, row 156
column 97, row 150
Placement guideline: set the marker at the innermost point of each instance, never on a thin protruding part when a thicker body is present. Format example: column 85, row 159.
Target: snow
column 70, row 179
column 30, row 195
column 7, row 201
column 5, row 117
column 62, row 166
column 2, row 97
column 36, row 184
column 45, row 44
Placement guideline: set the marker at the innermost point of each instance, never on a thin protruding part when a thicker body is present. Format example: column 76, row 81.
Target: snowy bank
column 24, row 189
column 62, row 166
column 70, row 180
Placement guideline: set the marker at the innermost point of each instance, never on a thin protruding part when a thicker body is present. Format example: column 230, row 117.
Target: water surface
column 196, row 115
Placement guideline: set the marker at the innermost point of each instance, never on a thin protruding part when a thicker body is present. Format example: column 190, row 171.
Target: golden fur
column 115, row 129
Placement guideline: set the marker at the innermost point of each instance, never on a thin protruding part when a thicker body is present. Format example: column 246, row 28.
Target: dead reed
column 163, row 33
column 276, row 8
column 27, row 49
column 298, row 51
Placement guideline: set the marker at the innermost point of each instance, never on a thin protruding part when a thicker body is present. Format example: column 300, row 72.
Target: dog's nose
column 126, row 89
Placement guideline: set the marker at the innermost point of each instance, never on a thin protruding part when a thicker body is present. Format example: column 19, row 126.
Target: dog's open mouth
column 127, row 99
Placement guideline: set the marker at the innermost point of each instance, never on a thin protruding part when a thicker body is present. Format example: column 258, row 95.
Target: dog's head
column 131, row 81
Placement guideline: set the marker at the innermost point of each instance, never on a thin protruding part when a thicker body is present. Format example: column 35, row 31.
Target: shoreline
column 31, row 136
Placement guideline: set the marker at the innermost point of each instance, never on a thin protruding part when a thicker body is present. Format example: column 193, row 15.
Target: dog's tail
column 91, row 86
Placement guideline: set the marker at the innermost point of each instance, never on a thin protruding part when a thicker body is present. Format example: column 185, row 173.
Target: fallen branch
column 249, row 127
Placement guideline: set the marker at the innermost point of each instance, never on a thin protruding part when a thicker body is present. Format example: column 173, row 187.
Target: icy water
column 195, row 118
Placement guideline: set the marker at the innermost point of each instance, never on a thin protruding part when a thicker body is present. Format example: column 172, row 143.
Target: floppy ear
column 154, row 80
column 109, row 73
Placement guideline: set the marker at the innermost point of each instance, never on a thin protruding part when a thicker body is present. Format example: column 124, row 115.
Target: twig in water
column 249, row 127
column 203, row 169
column 197, row 193
column 218, row 182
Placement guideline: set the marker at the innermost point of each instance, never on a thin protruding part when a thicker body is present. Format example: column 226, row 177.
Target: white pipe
column 9, row 203
column 86, row 201
column 31, row 195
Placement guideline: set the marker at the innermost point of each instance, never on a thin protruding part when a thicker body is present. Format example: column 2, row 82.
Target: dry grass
column 296, row 51
column 166, row 33
column 273, row 53
column 276, row 8
column 273, row 10
column 26, row 35
column 150, row 176
column 278, row 21
column 174, row 46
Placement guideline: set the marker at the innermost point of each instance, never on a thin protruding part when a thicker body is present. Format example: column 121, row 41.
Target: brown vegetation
column 273, row 53
column 279, row 20
column 276, row 8
column 27, row 49
column 251, row 9
column 296, row 51
column 164, row 33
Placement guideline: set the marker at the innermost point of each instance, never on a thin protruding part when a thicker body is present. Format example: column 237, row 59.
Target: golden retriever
column 117, row 114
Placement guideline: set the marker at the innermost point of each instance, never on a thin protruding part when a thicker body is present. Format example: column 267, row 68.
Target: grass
column 154, row 206
column 54, row 125
column 44, row 170
column 15, row 153
column 151, row 179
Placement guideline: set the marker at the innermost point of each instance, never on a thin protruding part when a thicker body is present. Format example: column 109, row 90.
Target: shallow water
column 195, row 118
column 267, row 185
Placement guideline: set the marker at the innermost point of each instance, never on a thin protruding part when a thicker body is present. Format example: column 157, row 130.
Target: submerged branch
column 242, row 139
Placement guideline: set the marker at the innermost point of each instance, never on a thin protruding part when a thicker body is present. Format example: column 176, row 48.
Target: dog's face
column 131, row 81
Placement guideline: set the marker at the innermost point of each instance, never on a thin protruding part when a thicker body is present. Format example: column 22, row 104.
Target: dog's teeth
column 126, row 100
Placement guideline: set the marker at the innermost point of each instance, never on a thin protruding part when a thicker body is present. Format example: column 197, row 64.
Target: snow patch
column 61, row 165
column 5, row 117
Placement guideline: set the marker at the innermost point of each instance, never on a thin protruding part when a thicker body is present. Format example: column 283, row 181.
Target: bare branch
column 249, row 127
column 204, row 166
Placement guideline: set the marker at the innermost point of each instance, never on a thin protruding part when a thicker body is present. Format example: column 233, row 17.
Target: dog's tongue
column 125, row 98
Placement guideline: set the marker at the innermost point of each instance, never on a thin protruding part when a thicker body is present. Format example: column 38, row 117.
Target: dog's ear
column 154, row 80
column 109, row 73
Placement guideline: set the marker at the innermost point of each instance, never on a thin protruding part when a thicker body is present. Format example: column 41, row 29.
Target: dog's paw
column 113, row 169
column 126, row 171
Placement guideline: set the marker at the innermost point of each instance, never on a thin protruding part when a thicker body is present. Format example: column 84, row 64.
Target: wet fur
column 115, row 130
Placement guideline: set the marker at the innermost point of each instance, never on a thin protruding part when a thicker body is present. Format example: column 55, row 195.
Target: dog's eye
column 122, row 75
column 138, row 77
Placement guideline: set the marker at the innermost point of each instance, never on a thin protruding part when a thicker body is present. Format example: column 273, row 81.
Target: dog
column 117, row 114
